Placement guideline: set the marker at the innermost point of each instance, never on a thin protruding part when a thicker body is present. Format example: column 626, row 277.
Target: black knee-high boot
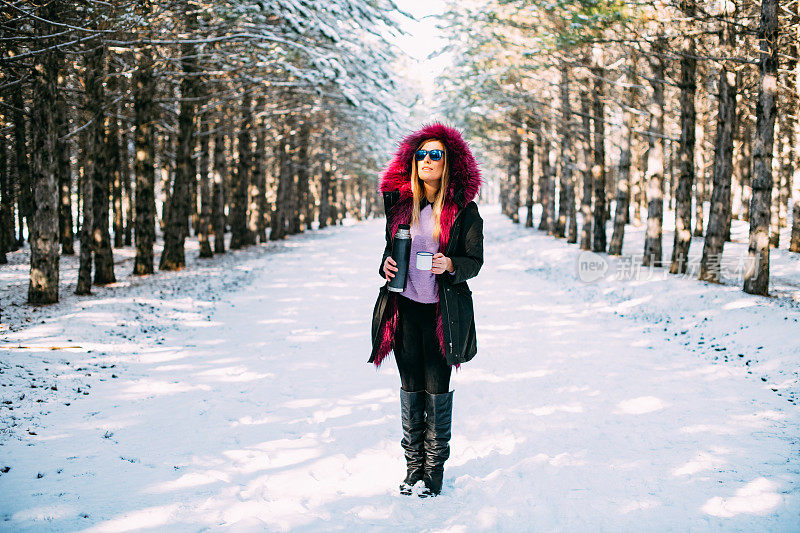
column 439, row 415
column 413, row 417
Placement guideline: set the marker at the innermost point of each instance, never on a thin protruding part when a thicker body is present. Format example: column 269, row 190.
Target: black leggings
column 417, row 351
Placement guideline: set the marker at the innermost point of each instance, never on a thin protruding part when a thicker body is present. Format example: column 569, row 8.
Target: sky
column 423, row 38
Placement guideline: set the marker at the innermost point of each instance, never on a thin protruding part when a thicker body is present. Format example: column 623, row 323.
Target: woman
column 430, row 326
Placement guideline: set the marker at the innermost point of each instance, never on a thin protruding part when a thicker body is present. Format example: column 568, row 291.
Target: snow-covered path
column 581, row 412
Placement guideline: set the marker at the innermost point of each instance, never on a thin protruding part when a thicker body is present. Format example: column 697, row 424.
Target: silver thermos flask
column 401, row 253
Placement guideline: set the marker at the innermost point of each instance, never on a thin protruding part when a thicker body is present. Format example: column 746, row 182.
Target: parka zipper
column 448, row 322
column 449, row 326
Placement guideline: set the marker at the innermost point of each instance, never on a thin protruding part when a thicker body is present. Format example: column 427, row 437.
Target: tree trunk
column 91, row 152
column 586, row 173
column 566, row 204
column 623, row 180
column 43, row 225
column 756, row 279
column 64, row 173
column 193, row 211
column 637, row 181
column 290, row 194
column 293, row 193
column 514, row 159
column 335, row 196
column 7, row 234
column 144, row 148
column 298, row 159
column 358, row 197
column 165, row 152
column 719, row 213
column 5, row 197
column 23, row 170
column 103, row 254
column 787, row 131
column 670, row 173
column 738, row 77
column 174, row 257
column 204, row 226
column 93, row 163
column 599, row 166
column 531, row 156
column 786, row 171
column 325, row 184
column 125, row 170
column 263, row 165
column 81, row 150
column 792, row 121
column 774, row 216
column 546, row 221
column 220, row 171
column 116, row 163
column 278, row 229
column 683, row 191
column 304, row 176
column 121, row 188
column 241, row 180
column 744, row 159
column 654, row 175
column 551, row 195
column 256, row 188
column 700, row 163
column 794, row 243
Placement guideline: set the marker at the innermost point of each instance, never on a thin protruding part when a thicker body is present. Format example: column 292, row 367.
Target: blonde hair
column 418, row 190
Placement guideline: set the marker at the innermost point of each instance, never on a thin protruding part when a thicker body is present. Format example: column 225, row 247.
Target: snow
column 235, row 395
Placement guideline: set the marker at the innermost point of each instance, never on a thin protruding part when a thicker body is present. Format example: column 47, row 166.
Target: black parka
column 465, row 249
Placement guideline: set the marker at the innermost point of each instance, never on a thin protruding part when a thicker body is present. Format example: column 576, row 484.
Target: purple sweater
column 421, row 285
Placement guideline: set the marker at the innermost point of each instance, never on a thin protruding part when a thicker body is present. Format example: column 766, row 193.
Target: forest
column 141, row 123
column 607, row 111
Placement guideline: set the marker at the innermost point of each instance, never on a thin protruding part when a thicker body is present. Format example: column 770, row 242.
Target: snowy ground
column 235, row 396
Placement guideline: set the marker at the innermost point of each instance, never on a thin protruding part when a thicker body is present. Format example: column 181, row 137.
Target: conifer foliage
column 662, row 106
column 144, row 122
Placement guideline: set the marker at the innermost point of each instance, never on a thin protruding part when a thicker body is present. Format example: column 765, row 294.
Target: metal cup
column 424, row 260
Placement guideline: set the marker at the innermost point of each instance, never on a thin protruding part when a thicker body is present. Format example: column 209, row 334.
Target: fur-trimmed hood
column 465, row 177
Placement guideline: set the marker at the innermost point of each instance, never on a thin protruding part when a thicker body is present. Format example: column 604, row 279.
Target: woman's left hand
column 441, row 263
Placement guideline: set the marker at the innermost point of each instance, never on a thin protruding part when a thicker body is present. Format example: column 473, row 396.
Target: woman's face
column 428, row 170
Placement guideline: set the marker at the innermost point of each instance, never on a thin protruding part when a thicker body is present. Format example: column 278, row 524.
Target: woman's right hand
column 389, row 268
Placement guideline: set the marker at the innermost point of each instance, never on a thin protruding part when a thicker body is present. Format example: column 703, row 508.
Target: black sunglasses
column 436, row 155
